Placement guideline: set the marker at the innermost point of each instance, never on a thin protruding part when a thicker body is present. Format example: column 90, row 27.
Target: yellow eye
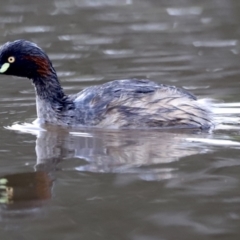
column 11, row 59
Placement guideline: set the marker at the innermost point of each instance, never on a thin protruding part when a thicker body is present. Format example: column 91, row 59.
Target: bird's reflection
column 145, row 154
column 112, row 151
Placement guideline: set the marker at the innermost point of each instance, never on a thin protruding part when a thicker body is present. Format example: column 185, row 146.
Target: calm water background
column 140, row 185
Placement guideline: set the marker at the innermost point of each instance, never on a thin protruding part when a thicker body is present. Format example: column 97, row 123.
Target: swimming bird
column 126, row 103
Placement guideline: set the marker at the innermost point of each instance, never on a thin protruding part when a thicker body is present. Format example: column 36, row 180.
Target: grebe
column 128, row 103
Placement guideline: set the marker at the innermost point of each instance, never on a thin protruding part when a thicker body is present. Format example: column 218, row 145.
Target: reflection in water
column 25, row 190
column 112, row 151
column 145, row 154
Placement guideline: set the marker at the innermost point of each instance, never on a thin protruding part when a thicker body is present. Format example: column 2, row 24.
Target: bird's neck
column 50, row 98
column 48, row 88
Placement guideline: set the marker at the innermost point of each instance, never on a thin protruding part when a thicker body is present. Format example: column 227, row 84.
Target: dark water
column 96, row 184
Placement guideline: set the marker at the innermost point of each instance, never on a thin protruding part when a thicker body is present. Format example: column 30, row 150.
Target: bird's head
column 24, row 59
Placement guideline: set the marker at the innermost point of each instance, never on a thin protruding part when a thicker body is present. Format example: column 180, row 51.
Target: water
column 98, row 184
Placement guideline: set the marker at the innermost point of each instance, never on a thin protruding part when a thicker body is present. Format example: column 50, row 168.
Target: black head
column 24, row 59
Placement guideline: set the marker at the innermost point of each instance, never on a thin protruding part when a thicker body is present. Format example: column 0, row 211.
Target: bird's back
column 142, row 103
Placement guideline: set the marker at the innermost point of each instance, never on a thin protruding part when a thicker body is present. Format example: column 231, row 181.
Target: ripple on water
column 215, row 43
column 150, row 27
column 184, row 11
column 87, row 39
column 12, row 19
column 63, row 56
column 32, row 128
column 32, row 29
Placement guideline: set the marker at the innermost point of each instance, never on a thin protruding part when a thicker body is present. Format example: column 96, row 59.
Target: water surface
column 98, row 184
